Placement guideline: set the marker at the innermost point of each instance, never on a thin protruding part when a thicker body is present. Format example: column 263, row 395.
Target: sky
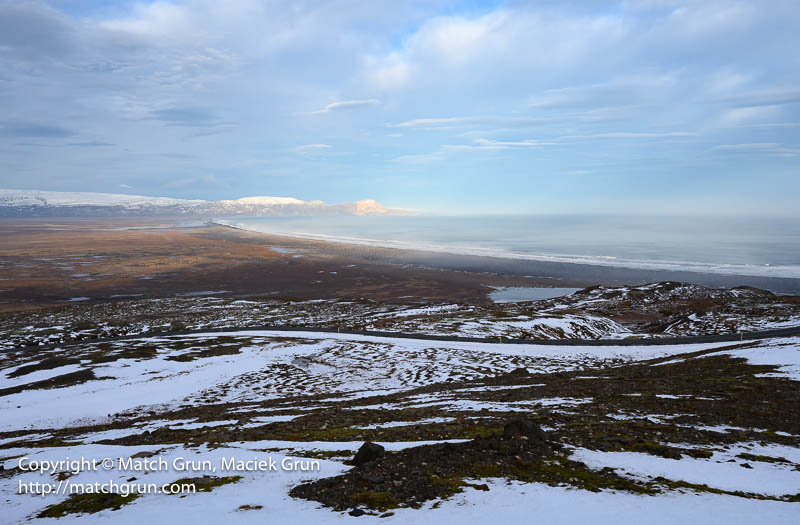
column 633, row 106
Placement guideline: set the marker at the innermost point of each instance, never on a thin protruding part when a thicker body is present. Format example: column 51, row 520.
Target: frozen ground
column 508, row 502
column 666, row 434
column 655, row 310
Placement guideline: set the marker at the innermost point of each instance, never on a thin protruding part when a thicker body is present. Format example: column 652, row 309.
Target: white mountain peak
column 370, row 207
column 265, row 201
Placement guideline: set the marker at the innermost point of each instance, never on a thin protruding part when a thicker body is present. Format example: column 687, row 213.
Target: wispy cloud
column 197, row 181
column 33, row 129
column 737, row 116
column 768, row 148
column 421, row 158
column 307, row 149
column 345, row 105
column 766, row 97
column 528, row 143
column 189, row 116
column 436, row 122
column 89, row 144
column 488, row 145
column 631, row 135
column 774, row 125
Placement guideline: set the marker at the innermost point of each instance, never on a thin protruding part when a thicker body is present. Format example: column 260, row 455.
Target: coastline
column 618, row 256
column 584, row 273
column 54, row 262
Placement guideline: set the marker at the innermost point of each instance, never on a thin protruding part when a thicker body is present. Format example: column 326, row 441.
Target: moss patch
column 206, row 483
column 86, row 504
column 764, row 459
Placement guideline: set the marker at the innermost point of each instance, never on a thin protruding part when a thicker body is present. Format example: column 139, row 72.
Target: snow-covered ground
column 508, row 502
column 316, row 363
column 654, row 310
column 239, row 371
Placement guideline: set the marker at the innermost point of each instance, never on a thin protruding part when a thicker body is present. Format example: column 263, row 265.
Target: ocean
column 768, row 247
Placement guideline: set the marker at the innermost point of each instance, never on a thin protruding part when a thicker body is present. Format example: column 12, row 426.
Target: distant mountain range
column 36, row 203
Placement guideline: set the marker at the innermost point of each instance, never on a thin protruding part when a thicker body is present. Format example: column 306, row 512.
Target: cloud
column 345, row 105
column 775, row 125
column 89, row 144
column 157, row 20
column 388, row 73
column 504, row 49
column 765, row 97
column 522, row 87
column 306, row 149
column 711, row 18
column 514, row 123
column 484, row 145
column 33, row 129
column 186, row 116
column 507, row 144
column 179, row 156
column 631, row 135
column 198, row 181
column 623, row 96
column 436, row 122
column 488, row 145
column 769, row 148
column 34, row 31
column 741, row 115
column 421, row 158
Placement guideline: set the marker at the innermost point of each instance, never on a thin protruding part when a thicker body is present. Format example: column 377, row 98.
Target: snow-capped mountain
column 36, row 198
column 36, row 203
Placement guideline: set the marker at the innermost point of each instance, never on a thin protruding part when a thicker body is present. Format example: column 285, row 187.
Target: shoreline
column 52, row 263
column 572, row 272
column 659, row 265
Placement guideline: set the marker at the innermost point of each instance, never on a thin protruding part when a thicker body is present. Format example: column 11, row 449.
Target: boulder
column 367, row 453
column 524, row 428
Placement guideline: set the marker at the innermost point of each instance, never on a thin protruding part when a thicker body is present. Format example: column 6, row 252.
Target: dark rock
column 356, row 512
column 367, row 453
column 372, row 479
column 746, row 465
column 491, row 442
column 524, row 428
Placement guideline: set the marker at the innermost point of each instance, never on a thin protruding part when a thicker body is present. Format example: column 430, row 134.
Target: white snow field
column 329, row 362
column 138, row 391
